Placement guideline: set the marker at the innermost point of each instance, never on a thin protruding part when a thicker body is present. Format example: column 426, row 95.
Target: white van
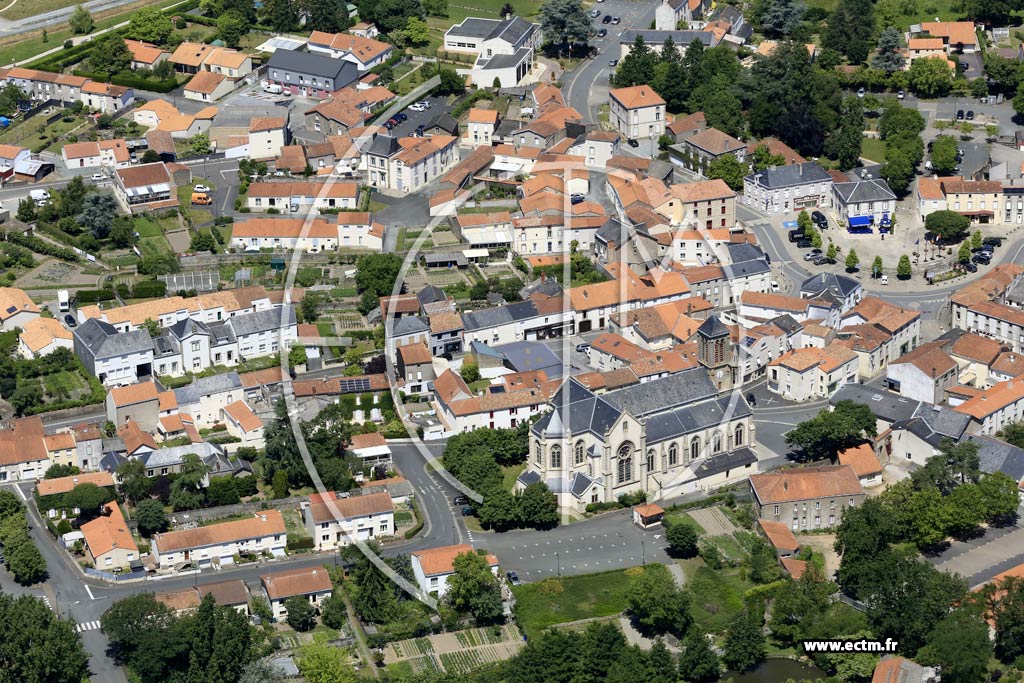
column 273, row 89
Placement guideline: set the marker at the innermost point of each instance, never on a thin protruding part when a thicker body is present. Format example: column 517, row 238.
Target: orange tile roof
column 977, row 348
column 289, row 228
column 925, row 44
column 365, row 49
column 61, row 441
column 285, row 584
column 955, row 32
column 265, row 523
column 258, row 378
column 190, row 54
column 334, row 508
column 805, row 483
column 144, row 53
column 683, row 124
column 205, row 82
column 827, row 359
column 369, row 440
column 145, row 174
column 993, row 399
column 930, row 189
column 445, row 322
column 50, row 487
column 715, row 142
column 333, row 386
column 226, row 58
column 1009, row 363
column 862, row 459
column 134, row 393
column 40, row 332
column 637, row 96
column 929, row 358
column 442, row 560
column 106, row 533
column 779, row 535
column 240, row 412
column 179, row 601
column 795, row 568
column 483, row 116
column 14, row 301
column 134, row 438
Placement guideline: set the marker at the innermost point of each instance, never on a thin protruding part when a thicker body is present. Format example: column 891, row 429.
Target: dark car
column 607, row 19
column 632, row 142
column 804, row 244
column 401, row 116
column 751, row 399
column 993, row 241
column 513, row 578
column 818, row 218
column 577, row 199
column 460, row 500
column 970, row 114
column 959, row 114
column 969, row 267
column 982, row 259
column 468, row 511
column 601, row 33
column 70, row 320
column 393, row 121
column 389, row 124
column 796, row 235
column 824, row 261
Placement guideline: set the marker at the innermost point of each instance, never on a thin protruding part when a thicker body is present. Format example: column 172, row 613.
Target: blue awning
column 860, row 221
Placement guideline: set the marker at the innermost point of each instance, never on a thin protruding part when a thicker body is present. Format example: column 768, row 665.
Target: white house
column 267, row 135
column 356, row 230
column 923, row 374
column 504, row 48
column 433, row 567
column 43, row 336
column 334, row 522
column 217, row 544
column 810, row 373
column 313, row 584
column 407, row 164
column 243, row 424
column 788, row 188
column 300, row 196
column 16, row 309
column 869, row 199
column 364, row 52
column 637, row 112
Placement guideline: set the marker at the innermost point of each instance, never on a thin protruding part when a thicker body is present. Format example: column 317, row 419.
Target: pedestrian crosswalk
column 87, row 626
column 46, row 601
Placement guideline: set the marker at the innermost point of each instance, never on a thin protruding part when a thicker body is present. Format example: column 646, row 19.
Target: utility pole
column 558, row 564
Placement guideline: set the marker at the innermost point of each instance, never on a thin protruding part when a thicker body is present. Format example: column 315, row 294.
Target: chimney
column 785, row 484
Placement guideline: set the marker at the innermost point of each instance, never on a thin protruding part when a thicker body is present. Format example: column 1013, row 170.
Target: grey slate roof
column 792, row 175
column 680, row 38
column 186, row 328
column 206, row 386
column 383, row 146
column 998, row 456
column 884, row 404
column 787, row 323
column 104, row 341
column 746, row 268
column 579, row 484
column 695, row 417
column 587, row 412
column 744, row 251
column 873, row 190
column 528, row 477
column 473, row 27
column 741, row 457
column 546, row 286
column 431, row 294
column 322, row 66
column 828, row 283
column 276, row 318
column 713, row 328
column 506, row 61
column 409, row 324
column 525, row 356
column 500, row 315
column 444, row 121
column 512, row 30
column 171, row 457
column 679, row 389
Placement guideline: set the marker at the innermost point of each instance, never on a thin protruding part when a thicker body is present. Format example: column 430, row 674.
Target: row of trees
column 21, row 555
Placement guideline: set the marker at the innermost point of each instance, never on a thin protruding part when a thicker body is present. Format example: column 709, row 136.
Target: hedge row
column 91, row 296
column 148, row 289
column 41, row 246
column 136, row 82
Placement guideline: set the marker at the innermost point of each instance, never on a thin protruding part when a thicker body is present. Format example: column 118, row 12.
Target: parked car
column 460, row 500
column 812, row 255
column 98, row 177
column 632, row 142
column 468, row 511
column 860, row 93
column 982, row 259
column 577, row 198
column 775, row 286
column 752, row 400
column 900, row 95
column 884, row 279
column 582, row 347
column 824, row 261
column 393, row 121
column 70, row 320
column 418, row 106
column 401, row 116
column 796, row 235
column 616, row 20
column 994, row 241
column 970, row 114
column 959, row 114
column 969, row 267
column 607, row 19
column 201, row 188
column 804, row 244
column 513, row 578
column 595, row 13
column 388, row 124
column 819, row 219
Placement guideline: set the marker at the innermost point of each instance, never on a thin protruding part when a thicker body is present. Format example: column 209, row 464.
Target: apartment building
column 811, row 373
column 433, row 567
column 217, row 544
column 301, row 196
column 708, row 204
column 312, row 584
column 808, row 498
column 334, row 522
column 995, row 407
column 637, row 112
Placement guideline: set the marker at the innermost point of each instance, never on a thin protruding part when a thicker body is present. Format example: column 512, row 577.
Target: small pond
column 777, row 671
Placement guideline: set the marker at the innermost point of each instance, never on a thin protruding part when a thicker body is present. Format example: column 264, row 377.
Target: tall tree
column 110, row 54
column 389, row 15
column 150, row 25
column 744, row 642
column 81, row 21
column 782, row 17
column 850, row 27
column 566, row 23
column 637, row 66
column 656, row 604
column 98, row 214
column 729, row 169
column 538, row 506
column 961, row 646
column 473, row 588
column 320, row 662
column 1009, row 620
column 150, row 517
column 888, row 56
column 698, row 663
column 37, row 646
column 930, row 77
column 280, row 15
column 832, row 431
column 324, row 15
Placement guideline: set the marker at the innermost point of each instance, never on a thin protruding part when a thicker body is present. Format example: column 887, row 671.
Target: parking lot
column 417, row 118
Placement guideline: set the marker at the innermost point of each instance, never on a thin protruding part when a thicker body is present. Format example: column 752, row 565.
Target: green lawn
column 680, row 516
column 873, row 149
column 154, row 246
column 487, row 9
column 147, row 228
column 926, row 11
column 556, row 601
column 27, row 133
column 62, row 385
column 509, row 475
column 717, row 595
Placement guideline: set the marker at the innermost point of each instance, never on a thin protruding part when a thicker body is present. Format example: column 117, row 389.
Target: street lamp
column 558, row 564
column 643, row 552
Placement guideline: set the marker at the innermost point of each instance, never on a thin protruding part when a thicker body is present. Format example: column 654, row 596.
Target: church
column 667, row 437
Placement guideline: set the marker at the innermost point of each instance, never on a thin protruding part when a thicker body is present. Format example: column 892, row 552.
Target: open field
column 927, row 10
column 555, row 601
column 717, row 595
column 873, row 149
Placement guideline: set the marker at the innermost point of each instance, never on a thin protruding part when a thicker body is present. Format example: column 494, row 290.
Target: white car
column 885, row 279
column 201, row 188
column 775, row 287
column 98, row 177
column 417, row 107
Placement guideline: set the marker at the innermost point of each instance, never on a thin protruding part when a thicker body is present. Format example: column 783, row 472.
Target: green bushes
column 296, row 544
column 41, row 246
column 20, row 554
column 148, row 289
column 91, row 296
column 131, row 81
